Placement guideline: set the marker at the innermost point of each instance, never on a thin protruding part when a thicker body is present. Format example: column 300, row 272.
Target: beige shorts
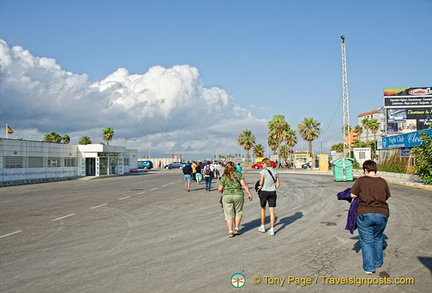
column 233, row 206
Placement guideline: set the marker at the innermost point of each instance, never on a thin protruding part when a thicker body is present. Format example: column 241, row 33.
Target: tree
column 366, row 123
column 309, row 131
column 423, row 157
column 284, row 152
column 84, row 140
column 358, row 130
column 108, row 134
column 290, row 140
column 259, row 147
column 66, row 139
column 278, row 128
column 338, row 147
column 374, row 127
column 52, row 137
column 246, row 140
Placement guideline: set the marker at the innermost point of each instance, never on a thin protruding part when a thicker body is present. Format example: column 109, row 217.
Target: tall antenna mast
column 345, row 106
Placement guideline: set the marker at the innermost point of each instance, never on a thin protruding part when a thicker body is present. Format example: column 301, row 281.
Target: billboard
column 404, row 140
column 408, row 109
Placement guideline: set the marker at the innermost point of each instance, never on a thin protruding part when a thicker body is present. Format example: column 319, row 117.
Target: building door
column 90, row 167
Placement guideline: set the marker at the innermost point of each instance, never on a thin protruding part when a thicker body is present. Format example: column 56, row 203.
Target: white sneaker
column 261, row 229
column 270, row 232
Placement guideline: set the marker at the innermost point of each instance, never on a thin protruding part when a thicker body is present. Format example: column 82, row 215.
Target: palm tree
column 277, row 128
column 284, row 152
column 374, row 127
column 259, row 147
column 366, row 123
column 85, row 140
column 66, row 139
column 338, row 147
column 52, row 137
column 290, row 140
column 108, row 134
column 309, row 131
column 246, row 140
column 358, row 130
column 272, row 144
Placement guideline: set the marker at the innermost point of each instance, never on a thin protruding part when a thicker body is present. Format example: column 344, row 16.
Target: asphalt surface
column 144, row 233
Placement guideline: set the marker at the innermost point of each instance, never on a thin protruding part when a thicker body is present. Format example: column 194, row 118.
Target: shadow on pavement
column 279, row 222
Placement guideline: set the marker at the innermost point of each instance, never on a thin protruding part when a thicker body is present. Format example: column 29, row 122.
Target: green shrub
column 423, row 156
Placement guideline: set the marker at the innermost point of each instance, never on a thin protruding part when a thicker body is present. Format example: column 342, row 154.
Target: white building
column 24, row 161
column 375, row 114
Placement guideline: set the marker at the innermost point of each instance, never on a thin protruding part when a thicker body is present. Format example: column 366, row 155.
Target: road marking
column 98, row 206
column 142, row 192
column 64, row 217
column 10, row 234
column 124, row 197
column 153, row 189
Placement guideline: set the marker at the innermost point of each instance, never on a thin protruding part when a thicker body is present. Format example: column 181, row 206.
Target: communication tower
column 345, row 104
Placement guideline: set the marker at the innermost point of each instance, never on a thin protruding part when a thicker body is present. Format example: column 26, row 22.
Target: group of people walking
column 231, row 186
column 196, row 171
column 370, row 192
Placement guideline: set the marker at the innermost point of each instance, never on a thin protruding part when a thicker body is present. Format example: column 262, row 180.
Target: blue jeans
column 371, row 228
column 208, row 181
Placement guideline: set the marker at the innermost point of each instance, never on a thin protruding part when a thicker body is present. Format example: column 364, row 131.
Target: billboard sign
column 411, row 139
column 408, row 109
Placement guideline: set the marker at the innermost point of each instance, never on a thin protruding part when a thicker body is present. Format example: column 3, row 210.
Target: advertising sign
column 411, row 139
column 408, row 109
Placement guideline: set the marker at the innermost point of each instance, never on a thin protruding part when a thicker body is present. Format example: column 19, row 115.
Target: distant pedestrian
column 208, row 175
column 372, row 215
column 230, row 186
column 269, row 182
column 198, row 174
column 239, row 168
column 160, row 165
column 187, row 173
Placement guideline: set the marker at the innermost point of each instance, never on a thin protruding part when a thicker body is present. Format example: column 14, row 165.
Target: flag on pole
column 9, row 130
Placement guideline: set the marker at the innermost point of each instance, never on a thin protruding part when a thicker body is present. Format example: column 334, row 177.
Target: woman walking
column 372, row 215
column 269, row 182
column 230, row 186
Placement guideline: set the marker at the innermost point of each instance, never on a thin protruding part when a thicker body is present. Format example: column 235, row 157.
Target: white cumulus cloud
column 164, row 110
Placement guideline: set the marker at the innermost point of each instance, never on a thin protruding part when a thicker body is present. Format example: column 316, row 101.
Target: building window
column 35, row 162
column 126, row 161
column 70, row 162
column 53, row 162
column 14, row 162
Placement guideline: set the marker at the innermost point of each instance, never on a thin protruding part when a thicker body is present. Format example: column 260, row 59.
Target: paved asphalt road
column 144, row 233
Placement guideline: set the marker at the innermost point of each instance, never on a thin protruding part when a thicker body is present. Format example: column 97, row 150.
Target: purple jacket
column 351, row 218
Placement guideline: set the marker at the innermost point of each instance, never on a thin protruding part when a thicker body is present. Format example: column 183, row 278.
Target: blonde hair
column 267, row 162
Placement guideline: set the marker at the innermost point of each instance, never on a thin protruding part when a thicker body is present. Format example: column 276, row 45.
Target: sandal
column 230, row 235
column 237, row 232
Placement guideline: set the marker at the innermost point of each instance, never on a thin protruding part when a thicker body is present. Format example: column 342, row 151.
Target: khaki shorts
column 233, row 206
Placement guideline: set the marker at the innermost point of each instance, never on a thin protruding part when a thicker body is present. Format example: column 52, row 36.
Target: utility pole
column 345, row 104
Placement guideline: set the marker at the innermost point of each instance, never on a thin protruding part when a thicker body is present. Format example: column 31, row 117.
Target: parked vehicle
column 174, row 165
column 260, row 165
column 307, row 165
column 145, row 165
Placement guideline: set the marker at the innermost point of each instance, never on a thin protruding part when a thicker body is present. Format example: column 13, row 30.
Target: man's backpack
column 207, row 170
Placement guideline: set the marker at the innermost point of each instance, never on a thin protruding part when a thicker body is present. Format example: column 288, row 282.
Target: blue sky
column 268, row 57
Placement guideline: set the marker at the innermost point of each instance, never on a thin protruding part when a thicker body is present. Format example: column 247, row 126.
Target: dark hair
column 370, row 166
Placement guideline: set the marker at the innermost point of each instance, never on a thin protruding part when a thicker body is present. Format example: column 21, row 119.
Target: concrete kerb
column 396, row 178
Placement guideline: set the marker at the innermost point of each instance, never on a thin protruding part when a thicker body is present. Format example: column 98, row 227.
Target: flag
column 9, row 130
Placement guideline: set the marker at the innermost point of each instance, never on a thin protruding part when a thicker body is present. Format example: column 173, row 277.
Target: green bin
column 342, row 169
